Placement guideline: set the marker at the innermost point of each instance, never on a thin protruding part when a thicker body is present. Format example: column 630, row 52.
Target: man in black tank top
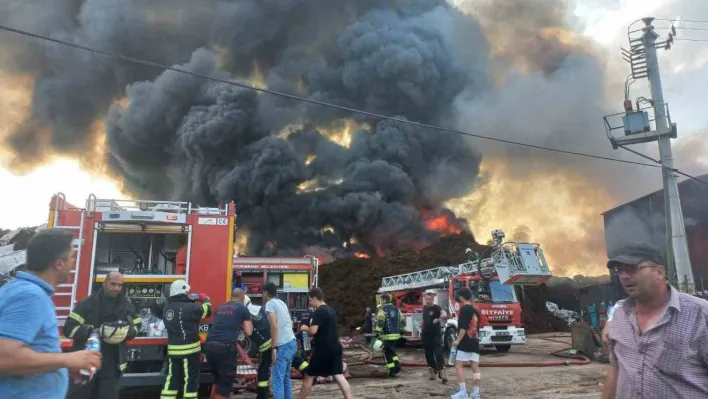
column 326, row 357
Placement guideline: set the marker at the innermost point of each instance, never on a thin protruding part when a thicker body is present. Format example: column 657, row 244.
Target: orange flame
column 361, row 255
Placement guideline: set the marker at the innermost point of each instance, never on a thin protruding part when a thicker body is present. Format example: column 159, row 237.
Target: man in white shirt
column 284, row 343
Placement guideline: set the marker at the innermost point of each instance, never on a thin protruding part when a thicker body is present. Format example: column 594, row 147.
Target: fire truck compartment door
column 296, row 280
column 137, row 228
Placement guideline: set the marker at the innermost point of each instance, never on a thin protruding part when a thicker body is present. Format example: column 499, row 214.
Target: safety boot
column 431, row 372
column 442, row 376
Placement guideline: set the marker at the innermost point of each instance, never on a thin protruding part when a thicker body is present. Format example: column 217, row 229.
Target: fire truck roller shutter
column 144, row 228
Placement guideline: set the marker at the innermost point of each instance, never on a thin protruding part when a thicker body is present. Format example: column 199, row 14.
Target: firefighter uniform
column 389, row 325
column 261, row 337
column 91, row 314
column 181, row 317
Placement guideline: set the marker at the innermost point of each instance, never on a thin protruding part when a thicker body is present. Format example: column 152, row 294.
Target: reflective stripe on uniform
column 185, row 371
column 391, row 337
column 390, row 365
column 73, row 331
column 205, row 306
column 166, row 392
column 265, row 346
column 137, row 320
column 395, row 358
column 76, row 317
column 185, row 393
column 123, row 367
column 303, row 366
column 182, row 350
column 263, row 384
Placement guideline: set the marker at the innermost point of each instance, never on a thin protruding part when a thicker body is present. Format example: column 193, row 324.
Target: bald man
column 111, row 312
column 220, row 347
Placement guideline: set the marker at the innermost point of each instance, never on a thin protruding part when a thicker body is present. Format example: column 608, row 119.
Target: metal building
column 643, row 220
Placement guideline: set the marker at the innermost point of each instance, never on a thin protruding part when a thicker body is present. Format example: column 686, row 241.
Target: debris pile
column 350, row 285
column 12, row 248
column 568, row 315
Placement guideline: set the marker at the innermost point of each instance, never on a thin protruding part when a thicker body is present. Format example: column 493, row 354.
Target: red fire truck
column 491, row 277
column 155, row 243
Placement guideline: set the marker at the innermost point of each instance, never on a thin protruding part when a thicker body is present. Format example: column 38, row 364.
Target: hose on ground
column 571, row 360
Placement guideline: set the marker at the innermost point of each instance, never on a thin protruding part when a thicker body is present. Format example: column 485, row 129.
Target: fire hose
column 577, row 360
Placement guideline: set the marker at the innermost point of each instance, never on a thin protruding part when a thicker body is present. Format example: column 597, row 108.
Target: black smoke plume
column 173, row 136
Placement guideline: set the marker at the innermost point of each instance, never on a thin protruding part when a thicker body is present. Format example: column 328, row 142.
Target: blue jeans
column 280, row 375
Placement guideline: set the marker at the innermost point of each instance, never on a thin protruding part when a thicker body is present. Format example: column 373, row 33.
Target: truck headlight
column 520, row 333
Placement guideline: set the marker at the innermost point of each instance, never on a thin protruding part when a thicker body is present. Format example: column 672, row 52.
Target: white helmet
column 179, row 287
column 377, row 345
column 114, row 333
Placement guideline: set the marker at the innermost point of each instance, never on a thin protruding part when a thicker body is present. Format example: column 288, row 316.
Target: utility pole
column 644, row 63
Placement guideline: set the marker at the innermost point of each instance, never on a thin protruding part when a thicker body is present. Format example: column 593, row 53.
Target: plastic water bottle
column 453, row 356
column 305, row 341
column 92, row 344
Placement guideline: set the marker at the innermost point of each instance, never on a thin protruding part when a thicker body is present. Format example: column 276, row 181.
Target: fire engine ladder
column 435, row 277
column 69, row 288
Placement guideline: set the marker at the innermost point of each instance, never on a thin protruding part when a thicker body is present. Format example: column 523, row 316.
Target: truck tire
column 503, row 348
column 450, row 335
column 249, row 347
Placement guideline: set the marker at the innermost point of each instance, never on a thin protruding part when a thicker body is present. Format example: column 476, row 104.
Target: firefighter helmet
column 377, row 345
column 179, row 287
column 114, row 333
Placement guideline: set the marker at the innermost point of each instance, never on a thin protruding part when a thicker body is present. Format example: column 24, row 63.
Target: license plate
column 502, row 333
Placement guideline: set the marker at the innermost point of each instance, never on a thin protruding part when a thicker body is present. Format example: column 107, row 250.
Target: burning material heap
column 350, row 285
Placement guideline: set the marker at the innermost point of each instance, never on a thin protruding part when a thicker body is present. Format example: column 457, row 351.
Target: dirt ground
column 497, row 382
column 567, row 382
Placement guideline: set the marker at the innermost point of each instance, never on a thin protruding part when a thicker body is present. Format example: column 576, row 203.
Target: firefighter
column 181, row 316
column 108, row 312
column 389, row 324
column 260, row 337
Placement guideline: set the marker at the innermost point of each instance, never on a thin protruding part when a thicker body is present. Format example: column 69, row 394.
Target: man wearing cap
column 657, row 336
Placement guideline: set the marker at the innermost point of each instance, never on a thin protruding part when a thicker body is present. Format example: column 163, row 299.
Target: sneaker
column 460, row 395
column 474, row 395
column 431, row 373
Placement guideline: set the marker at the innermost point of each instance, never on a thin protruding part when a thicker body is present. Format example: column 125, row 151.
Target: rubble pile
column 12, row 248
column 350, row 285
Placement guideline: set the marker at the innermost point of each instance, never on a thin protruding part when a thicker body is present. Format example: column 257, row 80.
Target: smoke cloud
column 307, row 178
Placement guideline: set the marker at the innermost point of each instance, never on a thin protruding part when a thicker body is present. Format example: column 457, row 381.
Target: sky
column 25, row 199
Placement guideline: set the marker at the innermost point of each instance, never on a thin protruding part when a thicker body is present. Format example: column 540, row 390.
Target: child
column 467, row 344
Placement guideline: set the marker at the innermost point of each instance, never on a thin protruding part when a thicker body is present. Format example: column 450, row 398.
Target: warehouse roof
column 694, row 200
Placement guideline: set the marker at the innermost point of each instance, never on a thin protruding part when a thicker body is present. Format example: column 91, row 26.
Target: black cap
column 634, row 253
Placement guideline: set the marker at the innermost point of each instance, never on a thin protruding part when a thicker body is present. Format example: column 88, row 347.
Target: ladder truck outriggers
column 491, row 276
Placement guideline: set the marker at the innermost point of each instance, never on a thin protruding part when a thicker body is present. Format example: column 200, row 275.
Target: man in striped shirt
column 657, row 337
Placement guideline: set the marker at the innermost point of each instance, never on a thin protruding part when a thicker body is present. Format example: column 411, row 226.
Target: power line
column 690, row 40
column 321, row 103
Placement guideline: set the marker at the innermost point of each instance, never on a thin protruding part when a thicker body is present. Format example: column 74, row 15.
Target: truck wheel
column 503, row 348
column 450, row 335
column 249, row 347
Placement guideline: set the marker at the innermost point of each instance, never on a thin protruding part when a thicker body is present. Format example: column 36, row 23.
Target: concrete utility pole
column 644, row 63
column 676, row 229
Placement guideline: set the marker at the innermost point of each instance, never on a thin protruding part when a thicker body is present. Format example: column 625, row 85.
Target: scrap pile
column 12, row 248
column 350, row 285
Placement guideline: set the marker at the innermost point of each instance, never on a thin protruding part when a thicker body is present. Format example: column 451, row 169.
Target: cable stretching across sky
column 330, row 105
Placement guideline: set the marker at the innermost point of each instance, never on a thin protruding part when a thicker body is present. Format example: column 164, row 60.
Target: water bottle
column 92, row 344
column 453, row 356
column 305, row 341
column 416, row 325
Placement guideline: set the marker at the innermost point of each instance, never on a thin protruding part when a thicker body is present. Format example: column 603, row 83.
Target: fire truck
column 154, row 243
column 491, row 276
